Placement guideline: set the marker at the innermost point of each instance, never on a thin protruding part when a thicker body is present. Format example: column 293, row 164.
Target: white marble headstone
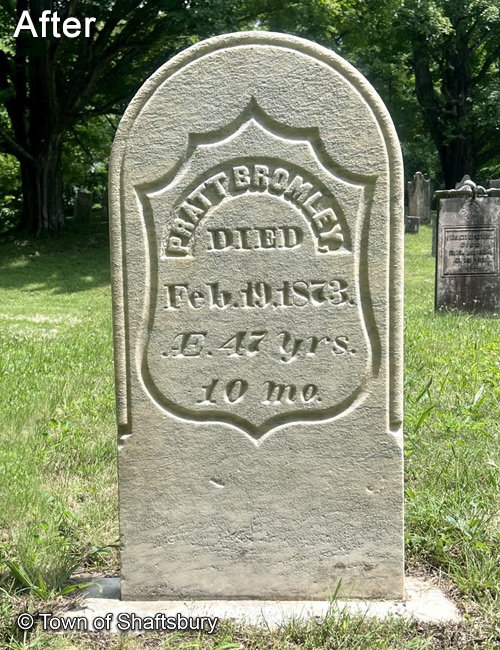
column 257, row 251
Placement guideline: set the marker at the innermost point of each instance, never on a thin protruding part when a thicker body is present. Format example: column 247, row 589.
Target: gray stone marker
column 467, row 270
column 412, row 225
column 494, row 183
column 105, row 203
column 83, row 206
column 257, row 247
column 461, row 183
column 435, row 221
column 419, row 198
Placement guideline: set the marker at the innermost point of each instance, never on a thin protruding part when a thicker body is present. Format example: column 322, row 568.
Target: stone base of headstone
column 423, row 601
column 83, row 206
column 411, row 225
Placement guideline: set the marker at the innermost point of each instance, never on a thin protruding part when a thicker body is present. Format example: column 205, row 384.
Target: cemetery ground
column 58, row 494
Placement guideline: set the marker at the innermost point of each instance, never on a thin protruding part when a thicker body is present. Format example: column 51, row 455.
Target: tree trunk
column 43, row 212
column 447, row 114
column 456, row 160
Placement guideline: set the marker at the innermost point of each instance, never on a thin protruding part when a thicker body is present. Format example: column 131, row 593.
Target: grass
column 58, row 500
column 452, row 416
column 57, row 450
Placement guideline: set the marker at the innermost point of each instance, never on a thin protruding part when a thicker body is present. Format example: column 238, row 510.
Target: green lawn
column 58, row 497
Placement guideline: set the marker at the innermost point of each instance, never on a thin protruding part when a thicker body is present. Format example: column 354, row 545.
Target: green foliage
column 10, row 192
column 51, row 89
column 455, row 50
column 85, row 159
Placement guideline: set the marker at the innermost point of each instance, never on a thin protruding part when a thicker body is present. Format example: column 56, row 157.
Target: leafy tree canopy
column 434, row 62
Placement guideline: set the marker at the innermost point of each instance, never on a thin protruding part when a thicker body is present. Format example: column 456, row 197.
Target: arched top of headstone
column 467, row 188
column 327, row 75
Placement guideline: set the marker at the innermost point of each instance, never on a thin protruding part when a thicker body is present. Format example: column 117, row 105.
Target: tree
column 445, row 55
column 47, row 85
column 434, row 62
column 456, row 51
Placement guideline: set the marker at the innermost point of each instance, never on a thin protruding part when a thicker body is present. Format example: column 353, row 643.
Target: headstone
column 435, row 222
column 83, row 206
column 257, row 247
column 105, row 202
column 462, row 182
column 419, row 198
column 412, row 225
column 467, row 276
column 494, row 183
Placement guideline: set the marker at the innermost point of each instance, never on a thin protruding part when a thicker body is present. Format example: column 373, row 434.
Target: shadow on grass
column 76, row 260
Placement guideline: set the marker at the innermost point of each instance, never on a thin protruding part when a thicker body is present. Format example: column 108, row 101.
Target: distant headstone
column 105, row 201
column 412, row 225
column 83, row 206
column 462, row 182
column 435, row 221
column 257, row 247
column 494, row 183
column 467, row 275
column 419, row 198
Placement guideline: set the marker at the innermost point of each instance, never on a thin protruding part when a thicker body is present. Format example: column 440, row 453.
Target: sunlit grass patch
column 57, row 426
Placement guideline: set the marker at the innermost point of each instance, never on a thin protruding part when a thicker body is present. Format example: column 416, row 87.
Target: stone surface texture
column 467, row 265
column 419, row 198
column 257, row 251
column 435, row 220
column 423, row 601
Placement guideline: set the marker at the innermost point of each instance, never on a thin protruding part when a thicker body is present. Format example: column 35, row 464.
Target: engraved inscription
column 287, row 183
column 260, row 305
column 256, row 239
column 259, row 294
column 271, row 392
column 470, row 251
column 285, row 345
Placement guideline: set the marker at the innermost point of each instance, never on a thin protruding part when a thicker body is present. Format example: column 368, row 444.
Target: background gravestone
column 257, row 246
column 83, row 206
column 412, row 225
column 105, row 203
column 467, row 269
column 419, row 198
column 461, row 183
column 494, row 183
column 435, row 221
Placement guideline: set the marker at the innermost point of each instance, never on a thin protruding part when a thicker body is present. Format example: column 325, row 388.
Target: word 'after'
column 71, row 27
